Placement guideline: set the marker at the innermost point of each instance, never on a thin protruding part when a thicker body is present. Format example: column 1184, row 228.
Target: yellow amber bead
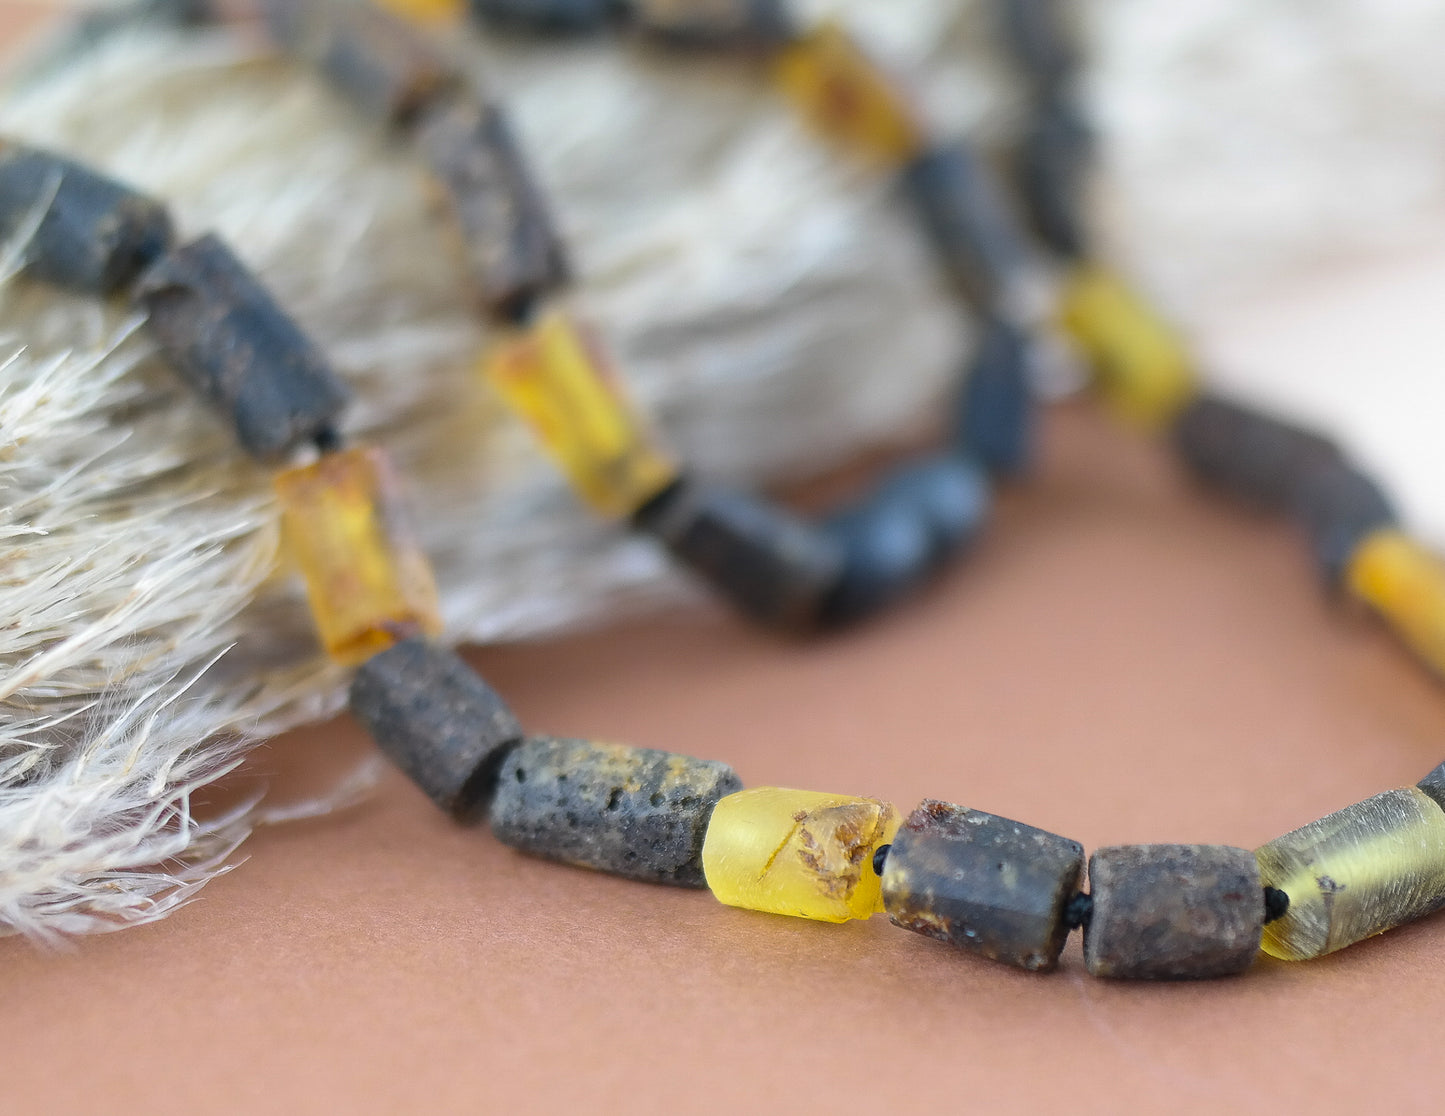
column 368, row 582
column 798, row 853
column 1405, row 584
column 435, row 13
column 847, row 97
column 551, row 376
column 1140, row 365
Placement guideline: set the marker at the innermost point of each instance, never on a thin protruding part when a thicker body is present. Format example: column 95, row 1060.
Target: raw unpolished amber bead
column 432, row 12
column 799, row 853
column 847, row 97
column 1140, row 365
column 1404, row 583
column 368, row 581
column 551, row 376
column 1358, row 872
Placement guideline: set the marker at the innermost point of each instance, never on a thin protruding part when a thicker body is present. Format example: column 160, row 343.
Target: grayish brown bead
column 1039, row 34
column 82, row 230
column 633, row 812
column 513, row 254
column 984, row 883
column 1434, row 785
column 557, row 17
column 1171, row 912
column 1338, row 506
column 707, row 24
column 228, row 339
column 381, row 62
column 436, row 720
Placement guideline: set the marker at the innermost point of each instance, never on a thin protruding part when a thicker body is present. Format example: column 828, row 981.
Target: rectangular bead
column 1405, row 583
column 382, row 63
column 556, row 379
column 845, row 95
column 369, row 584
column 714, row 23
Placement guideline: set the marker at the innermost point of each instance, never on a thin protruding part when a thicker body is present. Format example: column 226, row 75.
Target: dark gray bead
column 1055, row 160
column 379, row 61
column 552, row 16
column 1338, row 506
column 225, row 335
column 773, row 566
column 1039, row 36
column 1251, row 455
column 436, row 720
column 949, row 493
column 971, row 228
column 889, row 549
column 719, row 24
column 995, row 412
column 993, row 886
column 633, row 812
column 1434, row 785
column 84, row 231
column 1171, row 912
column 512, row 250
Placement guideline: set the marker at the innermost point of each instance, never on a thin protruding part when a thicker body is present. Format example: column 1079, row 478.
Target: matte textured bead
column 708, row 24
column 435, row 13
column 847, row 97
column 554, row 16
column 1172, row 912
column 971, row 229
column 1361, row 871
column 368, row 582
column 1405, row 583
column 436, row 720
column 633, row 812
column 382, row 63
column 81, row 230
column 986, row 884
column 227, row 338
column 1140, row 365
column 1434, row 785
column 555, row 377
column 949, row 493
column 1340, row 507
column 800, row 853
column 995, row 411
column 1054, row 161
column 1038, row 34
column 503, row 223
column 888, row 549
column 771, row 565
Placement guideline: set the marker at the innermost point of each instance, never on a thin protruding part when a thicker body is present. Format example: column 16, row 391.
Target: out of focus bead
column 992, row 886
column 994, row 418
column 367, row 580
column 633, row 812
column 547, row 16
column 382, row 63
column 847, row 97
column 1039, row 35
column 1173, row 912
column 1053, row 171
column 1339, row 508
column 1405, row 583
column 436, row 13
column 798, row 853
column 1358, row 872
column 555, row 378
column 888, row 549
column 706, row 24
column 950, row 493
column 1140, row 365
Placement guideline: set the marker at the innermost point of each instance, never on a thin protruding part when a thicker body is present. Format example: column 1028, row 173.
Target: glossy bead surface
column 367, row 580
column 800, row 853
column 1173, row 912
column 984, row 883
column 555, row 378
column 844, row 94
column 1358, row 872
column 706, row 24
column 437, row 720
column 995, row 413
column 1140, row 365
column 229, row 340
column 81, row 230
column 1054, row 160
column 1339, row 508
column 554, row 16
column 1405, row 583
column 633, row 812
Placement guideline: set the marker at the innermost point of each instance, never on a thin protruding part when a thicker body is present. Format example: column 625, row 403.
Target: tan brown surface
column 1123, row 659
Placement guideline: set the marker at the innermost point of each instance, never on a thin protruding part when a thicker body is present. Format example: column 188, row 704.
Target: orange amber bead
column 847, row 97
column 368, row 582
column 436, row 13
column 556, row 380
column 1405, row 583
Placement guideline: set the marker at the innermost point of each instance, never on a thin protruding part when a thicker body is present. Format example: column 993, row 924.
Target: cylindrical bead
column 799, row 853
column 1358, row 872
column 1038, row 34
column 513, row 254
column 888, row 549
column 1339, row 508
column 949, row 493
column 433, row 13
column 227, row 338
column 437, row 720
column 633, row 812
column 1172, row 912
column 707, row 24
column 368, row 581
column 1405, row 583
column 771, row 565
column 554, row 16
column 994, row 421
column 379, row 60
column 82, row 230
column 1054, row 161
column 981, row 882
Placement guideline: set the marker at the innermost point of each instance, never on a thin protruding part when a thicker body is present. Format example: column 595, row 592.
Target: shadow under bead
column 225, row 335
column 633, row 812
column 86, row 232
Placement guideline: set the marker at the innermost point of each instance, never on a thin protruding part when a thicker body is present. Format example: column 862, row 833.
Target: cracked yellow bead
column 1139, row 363
column 368, row 582
column 847, row 97
column 433, row 13
column 1405, row 583
column 798, row 853
column 557, row 381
